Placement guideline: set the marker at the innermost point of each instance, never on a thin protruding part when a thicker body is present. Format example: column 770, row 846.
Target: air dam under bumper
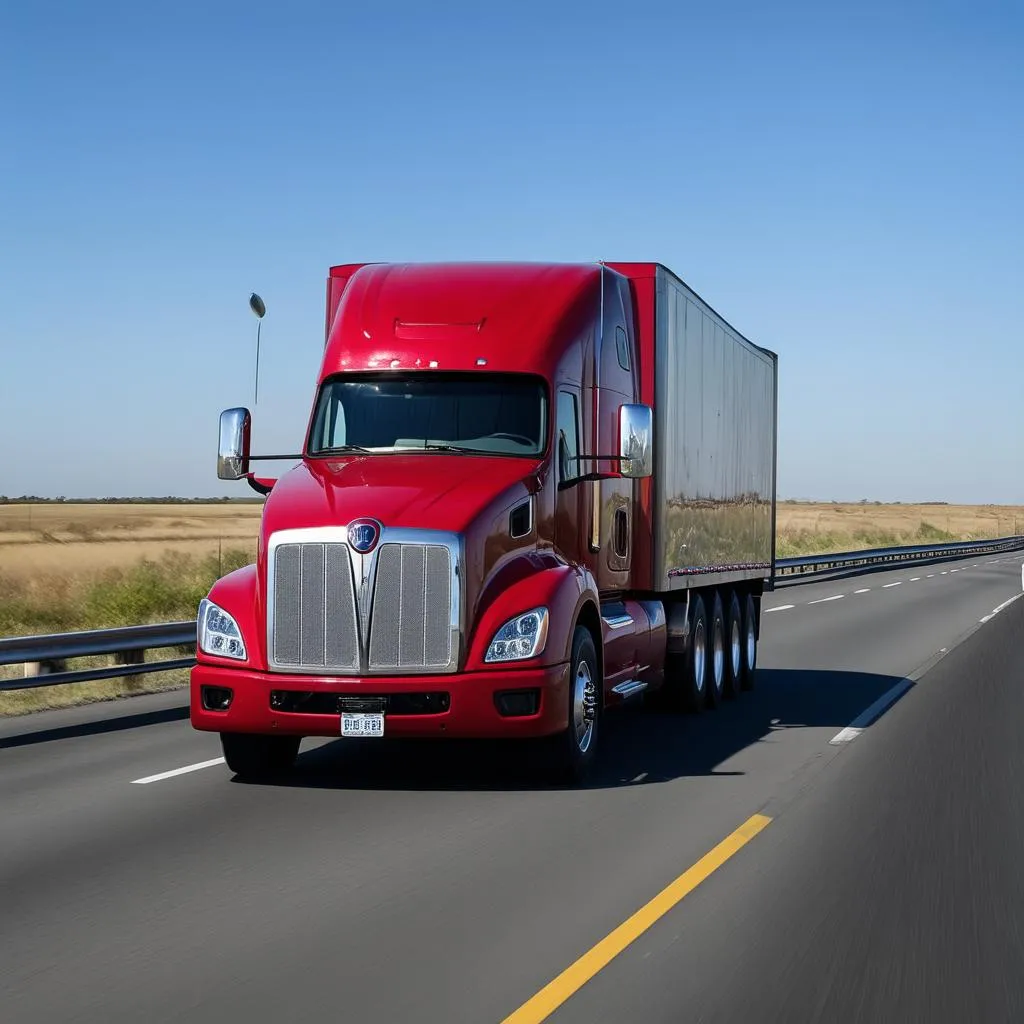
column 459, row 705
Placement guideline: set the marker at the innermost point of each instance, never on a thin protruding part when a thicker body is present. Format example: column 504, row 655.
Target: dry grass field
column 810, row 528
column 75, row 540
column 76, row 566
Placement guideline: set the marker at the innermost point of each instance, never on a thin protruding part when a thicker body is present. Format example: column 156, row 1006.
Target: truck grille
column 316, row 609
column 315, row 622
column 411, row 622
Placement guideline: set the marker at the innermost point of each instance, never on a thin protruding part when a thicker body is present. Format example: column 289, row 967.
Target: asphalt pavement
column 425, row 882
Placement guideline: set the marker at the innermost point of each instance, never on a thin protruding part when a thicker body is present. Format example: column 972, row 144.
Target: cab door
column 613, row 502
column 572, row 497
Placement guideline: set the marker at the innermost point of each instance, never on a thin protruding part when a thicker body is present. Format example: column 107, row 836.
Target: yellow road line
column 573, row 978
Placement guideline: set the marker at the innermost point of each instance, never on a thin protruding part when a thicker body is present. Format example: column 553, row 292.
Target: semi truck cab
column 491, row 532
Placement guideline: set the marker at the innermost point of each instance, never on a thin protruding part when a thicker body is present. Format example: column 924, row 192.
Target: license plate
column 353, row 724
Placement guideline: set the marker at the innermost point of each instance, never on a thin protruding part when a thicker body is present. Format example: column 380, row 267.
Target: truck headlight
column 218, row 633
column 520, row 638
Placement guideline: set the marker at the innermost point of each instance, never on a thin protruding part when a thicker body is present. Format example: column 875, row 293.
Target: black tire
column 751, row 635
column 571, row 754
column 733, row 647
column 715, row 686
column 695, row 671
column 252, row 756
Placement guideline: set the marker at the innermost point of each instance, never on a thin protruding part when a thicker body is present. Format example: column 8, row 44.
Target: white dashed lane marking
column 177, row 771
column 898, row 583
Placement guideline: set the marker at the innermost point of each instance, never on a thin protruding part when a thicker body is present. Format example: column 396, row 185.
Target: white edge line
column 178, row 771
column 868, row 715
column 847, row 734
column 822, row 600
column 779, row 608
column 995, row 611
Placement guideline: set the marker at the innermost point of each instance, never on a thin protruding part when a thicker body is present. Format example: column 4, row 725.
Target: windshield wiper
column 450, row 448
column 343, row 449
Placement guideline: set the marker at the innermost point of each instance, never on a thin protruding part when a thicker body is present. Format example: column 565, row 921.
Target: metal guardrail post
column 34, row 669
column 130, row 657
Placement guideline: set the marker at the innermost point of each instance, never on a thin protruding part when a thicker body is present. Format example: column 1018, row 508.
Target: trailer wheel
column 252, row 756
column 734, row 647
column 716, row 652
column 750, row 638
column 571, row 754
column 696, row 664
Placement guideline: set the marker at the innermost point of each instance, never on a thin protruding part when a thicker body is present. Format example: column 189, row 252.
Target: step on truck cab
column 527, row 493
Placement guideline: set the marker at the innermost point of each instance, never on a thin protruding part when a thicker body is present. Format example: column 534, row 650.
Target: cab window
column 568, row 437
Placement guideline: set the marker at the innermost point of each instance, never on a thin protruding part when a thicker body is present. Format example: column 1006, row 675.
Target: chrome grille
column 410, row 627
column 314, row 622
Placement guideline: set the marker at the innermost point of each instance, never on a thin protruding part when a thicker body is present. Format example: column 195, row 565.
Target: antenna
column 257, row 305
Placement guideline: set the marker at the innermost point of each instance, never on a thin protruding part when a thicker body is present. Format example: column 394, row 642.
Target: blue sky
column 845, row 186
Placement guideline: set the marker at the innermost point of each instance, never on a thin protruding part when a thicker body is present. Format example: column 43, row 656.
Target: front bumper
column 459, row 705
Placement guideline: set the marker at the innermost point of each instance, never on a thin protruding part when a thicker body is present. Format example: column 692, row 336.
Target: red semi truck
column 528, row 493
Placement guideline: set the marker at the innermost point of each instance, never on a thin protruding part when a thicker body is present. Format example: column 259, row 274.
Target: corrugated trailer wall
column 715, row 410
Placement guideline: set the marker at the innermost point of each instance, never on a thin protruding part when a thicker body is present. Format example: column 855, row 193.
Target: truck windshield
column 492, row 414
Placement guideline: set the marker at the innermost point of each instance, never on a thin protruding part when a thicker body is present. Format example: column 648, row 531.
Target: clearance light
column 218, row 633
column 520, row 638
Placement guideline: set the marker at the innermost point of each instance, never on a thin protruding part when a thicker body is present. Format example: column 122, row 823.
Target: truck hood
column 427, row 491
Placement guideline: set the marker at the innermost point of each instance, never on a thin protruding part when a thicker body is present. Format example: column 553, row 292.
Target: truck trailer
column 528, row 492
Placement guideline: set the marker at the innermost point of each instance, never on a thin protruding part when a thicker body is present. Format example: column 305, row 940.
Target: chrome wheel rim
column 699, row 655
column 718, row 661
column 584, row 705
column 736, row 649
column 751, row 644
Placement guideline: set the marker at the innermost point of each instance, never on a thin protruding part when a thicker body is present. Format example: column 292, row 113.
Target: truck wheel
column 750, row 632
column 717, row 651
column 573, row 752
column 258, row 757
column 734, row 648
column 696, row 663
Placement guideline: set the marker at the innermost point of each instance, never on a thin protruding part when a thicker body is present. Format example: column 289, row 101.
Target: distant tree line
column 32, row 499
column 863, row 501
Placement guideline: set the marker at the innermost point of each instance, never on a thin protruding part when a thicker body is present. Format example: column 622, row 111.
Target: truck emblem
column 363, row 535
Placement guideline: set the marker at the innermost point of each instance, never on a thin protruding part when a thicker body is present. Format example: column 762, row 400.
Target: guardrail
column 44, row 656
column 818, row 566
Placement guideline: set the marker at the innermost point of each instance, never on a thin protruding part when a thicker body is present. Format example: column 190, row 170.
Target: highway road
column 791, row 859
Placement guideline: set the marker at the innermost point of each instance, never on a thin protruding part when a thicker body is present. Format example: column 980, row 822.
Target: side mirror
column 636, row 431
column 233, row 448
